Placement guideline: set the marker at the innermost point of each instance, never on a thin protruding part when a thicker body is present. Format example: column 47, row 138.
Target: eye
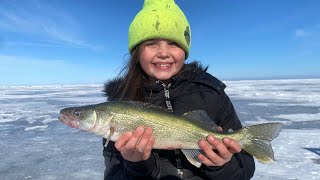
column 77, row 112
column 172, row 43
column 150, row 43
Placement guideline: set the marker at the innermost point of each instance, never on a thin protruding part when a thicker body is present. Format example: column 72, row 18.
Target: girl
column 159, row 43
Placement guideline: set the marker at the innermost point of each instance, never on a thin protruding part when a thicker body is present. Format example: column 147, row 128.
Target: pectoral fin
column 108, row 138
column 192, row 156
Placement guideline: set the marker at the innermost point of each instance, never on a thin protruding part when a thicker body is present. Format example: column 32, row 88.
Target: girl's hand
column 223, row 153
column 136, row 146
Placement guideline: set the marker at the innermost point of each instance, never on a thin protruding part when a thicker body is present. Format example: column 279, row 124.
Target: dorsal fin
column 202, row 119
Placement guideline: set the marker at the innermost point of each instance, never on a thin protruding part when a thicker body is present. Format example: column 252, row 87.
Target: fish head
column 83, row 118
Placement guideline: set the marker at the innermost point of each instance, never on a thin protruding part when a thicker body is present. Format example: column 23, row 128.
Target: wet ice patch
column 299, row 117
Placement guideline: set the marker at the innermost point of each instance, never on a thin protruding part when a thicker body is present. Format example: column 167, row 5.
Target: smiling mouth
column 163, row 65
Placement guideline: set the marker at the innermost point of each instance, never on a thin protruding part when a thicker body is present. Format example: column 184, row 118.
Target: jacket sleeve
column 242, row 164
column 118, row 168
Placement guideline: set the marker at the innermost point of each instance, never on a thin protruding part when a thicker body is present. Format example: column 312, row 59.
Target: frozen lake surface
column 35, row 145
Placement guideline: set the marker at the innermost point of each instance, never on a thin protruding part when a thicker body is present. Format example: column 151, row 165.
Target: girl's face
column 161, row 59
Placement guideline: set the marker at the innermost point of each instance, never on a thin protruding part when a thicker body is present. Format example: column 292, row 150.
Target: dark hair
column 132, row 76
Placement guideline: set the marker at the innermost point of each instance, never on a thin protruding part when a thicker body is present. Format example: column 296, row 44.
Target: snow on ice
column 35, row 145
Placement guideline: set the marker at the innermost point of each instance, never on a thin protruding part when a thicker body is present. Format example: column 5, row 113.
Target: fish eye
column 77, row 112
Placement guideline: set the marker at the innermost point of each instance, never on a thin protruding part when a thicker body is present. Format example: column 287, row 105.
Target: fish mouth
column 69, row 120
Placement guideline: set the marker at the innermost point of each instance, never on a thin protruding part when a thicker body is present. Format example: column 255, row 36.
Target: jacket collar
column 188, row 73
column 191, row 72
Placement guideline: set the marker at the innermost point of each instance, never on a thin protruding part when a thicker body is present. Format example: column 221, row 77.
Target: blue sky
column 80, row 41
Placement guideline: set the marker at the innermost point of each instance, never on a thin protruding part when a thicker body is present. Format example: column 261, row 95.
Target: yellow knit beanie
column 160, row 19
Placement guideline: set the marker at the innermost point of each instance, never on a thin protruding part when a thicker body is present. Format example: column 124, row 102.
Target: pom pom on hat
column 160, row 19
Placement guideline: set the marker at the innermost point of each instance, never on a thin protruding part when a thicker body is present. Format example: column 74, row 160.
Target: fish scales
column 171, row 130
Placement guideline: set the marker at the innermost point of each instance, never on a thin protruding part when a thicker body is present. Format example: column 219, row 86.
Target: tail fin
column 259, row 138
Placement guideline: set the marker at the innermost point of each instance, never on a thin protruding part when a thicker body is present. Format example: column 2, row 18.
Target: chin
column 163, row 78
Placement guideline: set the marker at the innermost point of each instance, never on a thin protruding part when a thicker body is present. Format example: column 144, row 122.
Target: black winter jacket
column 192, row 89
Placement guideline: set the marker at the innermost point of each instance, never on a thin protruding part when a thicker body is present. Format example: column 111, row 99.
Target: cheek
column 144, row 63
column 145, row 60
column 179, row 55
column 145, row 68
column 180, row 58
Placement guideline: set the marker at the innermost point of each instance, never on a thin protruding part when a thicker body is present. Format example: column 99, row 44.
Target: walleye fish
column 112, row 119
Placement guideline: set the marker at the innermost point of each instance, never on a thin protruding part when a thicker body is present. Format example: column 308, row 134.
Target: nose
column 163, row 51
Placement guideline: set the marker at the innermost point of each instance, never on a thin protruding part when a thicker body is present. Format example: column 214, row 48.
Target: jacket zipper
column 170, row 108
column 166, row 94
